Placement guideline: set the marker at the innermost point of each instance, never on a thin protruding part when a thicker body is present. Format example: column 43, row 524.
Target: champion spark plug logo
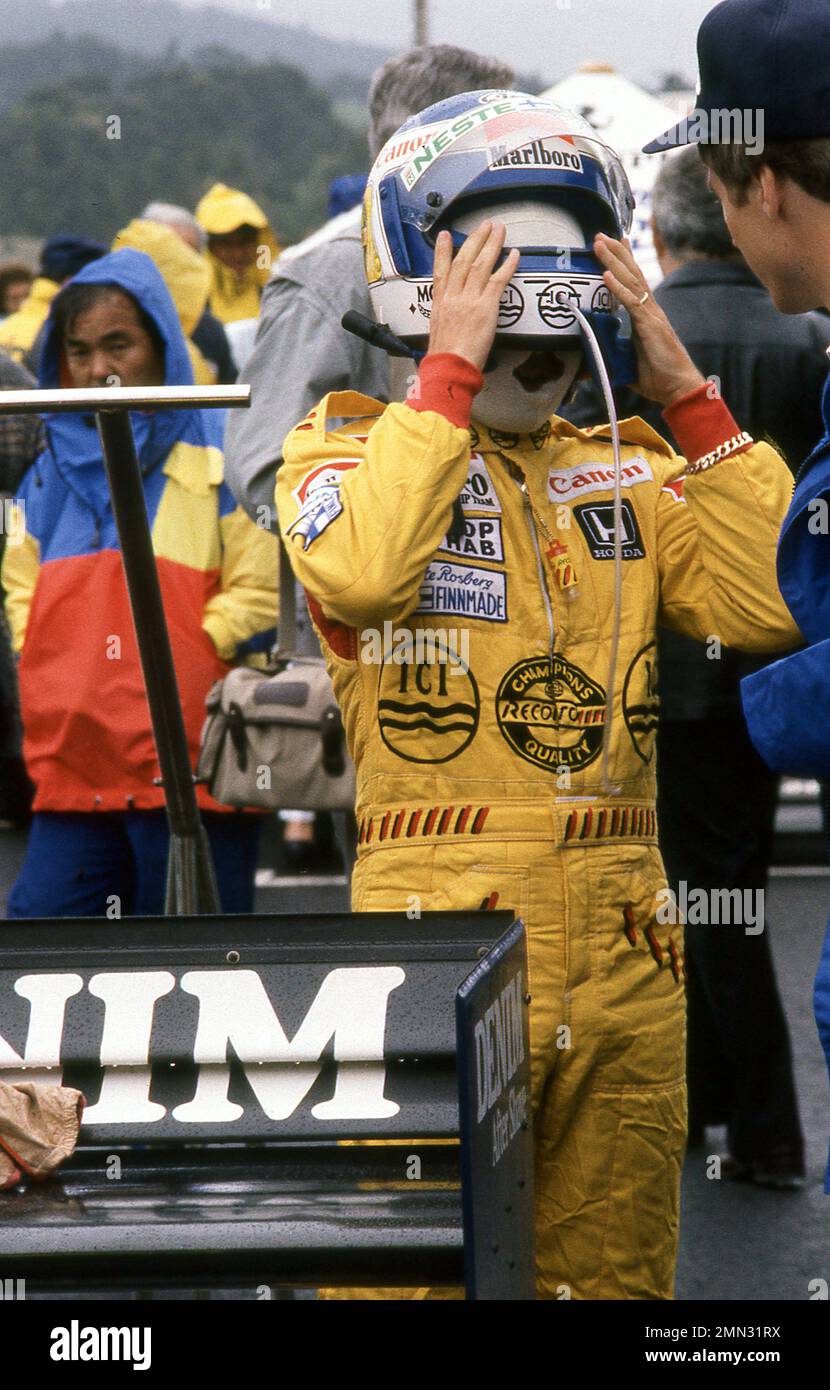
column 551, row 713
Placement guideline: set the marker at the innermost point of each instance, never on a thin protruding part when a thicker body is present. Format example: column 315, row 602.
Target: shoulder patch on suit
column 675, row 489
column 324, row 475
column 319, row 510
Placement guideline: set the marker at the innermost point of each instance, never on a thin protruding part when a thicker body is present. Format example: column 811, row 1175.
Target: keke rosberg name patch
column 551, row 713
column 464, row 591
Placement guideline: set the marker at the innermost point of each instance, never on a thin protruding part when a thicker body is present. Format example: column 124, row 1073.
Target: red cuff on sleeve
column 446, row 384
column 701, row 421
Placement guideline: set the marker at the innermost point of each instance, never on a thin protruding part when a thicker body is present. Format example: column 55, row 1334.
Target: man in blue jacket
column 763, row 128
column 98, row 842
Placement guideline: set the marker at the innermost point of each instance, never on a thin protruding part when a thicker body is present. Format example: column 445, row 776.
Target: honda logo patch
column 596, row 522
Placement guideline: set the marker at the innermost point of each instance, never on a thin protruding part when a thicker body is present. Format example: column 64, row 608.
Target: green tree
column 69, row 166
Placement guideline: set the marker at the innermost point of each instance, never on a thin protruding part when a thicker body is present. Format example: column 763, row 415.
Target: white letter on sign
column 130, row 999
column 47, row 995
column 350, row 1007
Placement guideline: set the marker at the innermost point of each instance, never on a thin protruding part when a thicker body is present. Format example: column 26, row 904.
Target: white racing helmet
column 525, row 161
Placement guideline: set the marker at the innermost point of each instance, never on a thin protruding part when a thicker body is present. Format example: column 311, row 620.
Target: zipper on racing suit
column 531, row 521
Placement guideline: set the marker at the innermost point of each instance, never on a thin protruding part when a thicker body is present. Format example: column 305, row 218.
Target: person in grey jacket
column 301, row 352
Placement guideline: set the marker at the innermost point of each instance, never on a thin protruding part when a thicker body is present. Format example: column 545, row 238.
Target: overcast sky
column 642, row 38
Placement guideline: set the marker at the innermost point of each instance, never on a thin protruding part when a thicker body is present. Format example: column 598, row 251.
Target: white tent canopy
column 625, row 117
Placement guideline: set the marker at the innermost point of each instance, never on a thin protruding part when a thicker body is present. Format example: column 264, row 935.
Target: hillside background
column 201, row 96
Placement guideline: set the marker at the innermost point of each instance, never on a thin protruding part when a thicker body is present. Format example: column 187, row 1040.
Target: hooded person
column 241, row 250
column 98, row 827
column 509, row 760
column 345, row 193
column 186, row 275
column 62, row 257
column 15, row 283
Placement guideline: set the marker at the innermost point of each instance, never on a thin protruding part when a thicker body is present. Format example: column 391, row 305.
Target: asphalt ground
column 737, row 1241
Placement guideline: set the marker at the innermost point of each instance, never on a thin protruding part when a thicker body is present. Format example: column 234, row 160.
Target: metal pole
column 188, row 841
column 108, row 398
column 421, row 22
column 191, row 880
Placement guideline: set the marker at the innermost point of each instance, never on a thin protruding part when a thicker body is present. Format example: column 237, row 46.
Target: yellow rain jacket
column 479, row 745
column 19, row 330
column 222, row 210
column 186, row 276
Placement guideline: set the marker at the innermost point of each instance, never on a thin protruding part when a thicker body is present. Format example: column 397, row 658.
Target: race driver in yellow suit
column 483, row 779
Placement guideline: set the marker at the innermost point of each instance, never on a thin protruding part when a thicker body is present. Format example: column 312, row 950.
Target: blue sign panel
column 496, row 1124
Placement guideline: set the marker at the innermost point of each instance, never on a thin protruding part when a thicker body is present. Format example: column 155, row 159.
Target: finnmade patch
column 464, row 591
column 481, row 539
column 596, row 522
column 566, row 483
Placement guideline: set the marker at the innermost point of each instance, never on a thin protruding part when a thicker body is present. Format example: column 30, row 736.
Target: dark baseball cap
column 63, row 255
column 764, row 56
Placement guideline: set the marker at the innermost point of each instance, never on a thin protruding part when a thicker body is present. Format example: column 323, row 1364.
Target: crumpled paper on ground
column 39, row 1127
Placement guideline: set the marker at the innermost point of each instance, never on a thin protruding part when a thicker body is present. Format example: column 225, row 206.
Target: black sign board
column 260, row 1027
column 496, row 1124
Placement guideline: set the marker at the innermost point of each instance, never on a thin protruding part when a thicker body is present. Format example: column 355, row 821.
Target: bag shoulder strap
column 287, row 617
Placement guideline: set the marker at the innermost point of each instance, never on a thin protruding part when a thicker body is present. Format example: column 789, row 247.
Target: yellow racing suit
column 476, row 719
